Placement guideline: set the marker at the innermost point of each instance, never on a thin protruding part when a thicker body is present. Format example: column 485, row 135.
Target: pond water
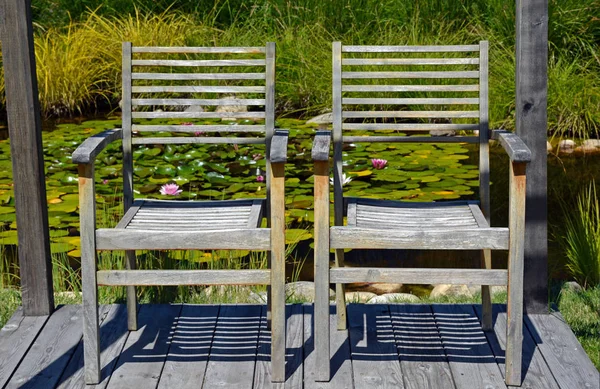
column 413, row 172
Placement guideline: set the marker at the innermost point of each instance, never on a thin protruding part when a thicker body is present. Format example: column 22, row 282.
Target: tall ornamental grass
column 582, row 238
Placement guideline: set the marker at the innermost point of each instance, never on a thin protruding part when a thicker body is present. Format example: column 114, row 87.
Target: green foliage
column 582, row 238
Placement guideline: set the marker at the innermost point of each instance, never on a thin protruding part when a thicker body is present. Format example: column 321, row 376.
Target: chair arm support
column 321, row 145
column 514, row 146
column 86, row 152
column 279, row 142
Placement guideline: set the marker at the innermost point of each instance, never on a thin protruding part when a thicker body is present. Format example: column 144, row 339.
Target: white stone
column 572, row 286
column 494, row 289
column 450, row 290
column 442, row 132
column 549, row 147
column 231, row 108
column 359, row 297
column 325, row 118
column 566, row 146
column 394, row 298
column 194, row 108
column 303, row 290
column 258, row 298
column 377, row 288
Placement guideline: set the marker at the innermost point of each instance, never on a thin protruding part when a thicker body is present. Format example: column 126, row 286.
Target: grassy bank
column 78, row 51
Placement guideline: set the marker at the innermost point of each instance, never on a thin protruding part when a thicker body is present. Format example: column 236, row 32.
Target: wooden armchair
column 150, row 224
column 450, row 89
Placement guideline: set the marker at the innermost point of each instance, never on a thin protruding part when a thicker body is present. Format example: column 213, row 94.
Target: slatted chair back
column 164, row 82
column 410, row 89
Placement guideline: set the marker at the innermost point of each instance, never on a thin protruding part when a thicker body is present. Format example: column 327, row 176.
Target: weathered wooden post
column 25, row 131
column 531, row 125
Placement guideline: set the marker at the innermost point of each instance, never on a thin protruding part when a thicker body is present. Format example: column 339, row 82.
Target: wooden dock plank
column 567, row 360
column 145, row 351
column 422, row 357
column 535, row 372
column 113, row 334
column 186, row 362
column 341, row 364
column 373, row 350
column 51, row 351
column 233, row 353
column 16, row 337
column 294, row 346
column 471, row 360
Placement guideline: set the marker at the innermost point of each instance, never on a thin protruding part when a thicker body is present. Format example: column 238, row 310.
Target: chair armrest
column 86, row 152
column 514, row 146
column 321, row 145
column 279, row 142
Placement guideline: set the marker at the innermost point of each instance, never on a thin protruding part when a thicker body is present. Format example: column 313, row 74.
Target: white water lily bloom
column 345, row 179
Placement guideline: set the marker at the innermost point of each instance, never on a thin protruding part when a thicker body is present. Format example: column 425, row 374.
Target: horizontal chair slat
column 198, row 76
column 410, row 61
column 198, row 89
column 411, row 139
column 240, row 239
column 198, row 50
column 464, row 239
column 197, row 140
column 197, row 102
column 183, row 277
column 410, row 114
column 197, row 115
column 411, row 101
column 196, row 128
column 448, row 74
column 208, row 62
column 410, row 88
column 409, row 49
column 420, row 276
column 410, row 126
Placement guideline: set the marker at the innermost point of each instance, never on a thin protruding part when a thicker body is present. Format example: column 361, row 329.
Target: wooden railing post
column 25, row 131
column 531, row 126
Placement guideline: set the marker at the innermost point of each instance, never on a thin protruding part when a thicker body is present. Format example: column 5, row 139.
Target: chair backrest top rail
column 223, row 102
column 198, row 62
column 409, row 61
column 198, row 89
column 415, row 74
column 411, row 88
column 196, row 128
column 409, row 49
column 196, row 140
column 197, row 115
column 198, row 50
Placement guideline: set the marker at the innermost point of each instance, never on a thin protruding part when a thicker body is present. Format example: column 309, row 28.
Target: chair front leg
column 514, row 329
column 486, row 296
column 87, row 212
column 132, row 323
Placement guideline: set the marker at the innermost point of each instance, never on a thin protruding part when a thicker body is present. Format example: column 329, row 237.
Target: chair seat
column 387, row 215
column 160, row 215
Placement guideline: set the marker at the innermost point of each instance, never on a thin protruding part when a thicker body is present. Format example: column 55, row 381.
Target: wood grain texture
column 233, row 354
column 198, row 140
column 26, row 150
column 421, row 74
column 143, row 356
column 203, row 128
column 190, row 347
column 419, row 276
column 198, row 50
column 471, row 360
column 412, row 139
column 51, row 351
column 198, row 76
column 412, row 101
column 321, row 146
column 198, row 89
column 461, row 239
column 92, row 146
column 531, row 125
column 410, row 88
column 126, row 123
column 535, row 371
column 410, row 126
column 422, row 358
column 279, row 145
column 409, row 114
column 339, row 347
column 200, row 63
column 409, row 49
column 373, row 350
column 113, row 334
column 513, row 145
column 570, row 365
column 409, row 61
column 16, row 337
column 196, row 115
column 182, row 102
column 184, row 277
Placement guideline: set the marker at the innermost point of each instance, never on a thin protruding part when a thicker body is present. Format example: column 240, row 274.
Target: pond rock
column 258, row 298
column 394, row 298
column 359, row 297
column 231, row 108
column 235, row 291
column 325, row 118
column 442, row 132
column 303, row 290
column 566, row 146
column 450, row 290
column 376, row 288
column 572, row 286
column 549, row 147
column 494, row 289
column 590, row 146
column 194, row 108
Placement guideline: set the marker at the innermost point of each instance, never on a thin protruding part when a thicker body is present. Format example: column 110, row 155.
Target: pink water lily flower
column 379, row 163
column 170, row 190
column 260, row 178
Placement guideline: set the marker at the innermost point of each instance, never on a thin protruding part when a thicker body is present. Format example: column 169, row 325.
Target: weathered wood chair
column 448, row 82
column 194, row 225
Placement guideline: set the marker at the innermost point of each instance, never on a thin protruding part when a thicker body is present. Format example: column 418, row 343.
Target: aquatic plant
column 378, row 163
column 170, row 190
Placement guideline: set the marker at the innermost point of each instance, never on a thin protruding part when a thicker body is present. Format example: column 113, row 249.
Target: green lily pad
column 294, row 235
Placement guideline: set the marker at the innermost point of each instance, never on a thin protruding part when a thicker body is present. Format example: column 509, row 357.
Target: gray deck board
column 141, row 362
column 373, row 350
column 535, row 373
column 424, row 363
column 15, row 339
column 562, row 352
column 410, row 346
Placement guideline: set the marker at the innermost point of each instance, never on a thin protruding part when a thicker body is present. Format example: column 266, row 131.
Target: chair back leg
column 340, row 294
column 132, row 324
